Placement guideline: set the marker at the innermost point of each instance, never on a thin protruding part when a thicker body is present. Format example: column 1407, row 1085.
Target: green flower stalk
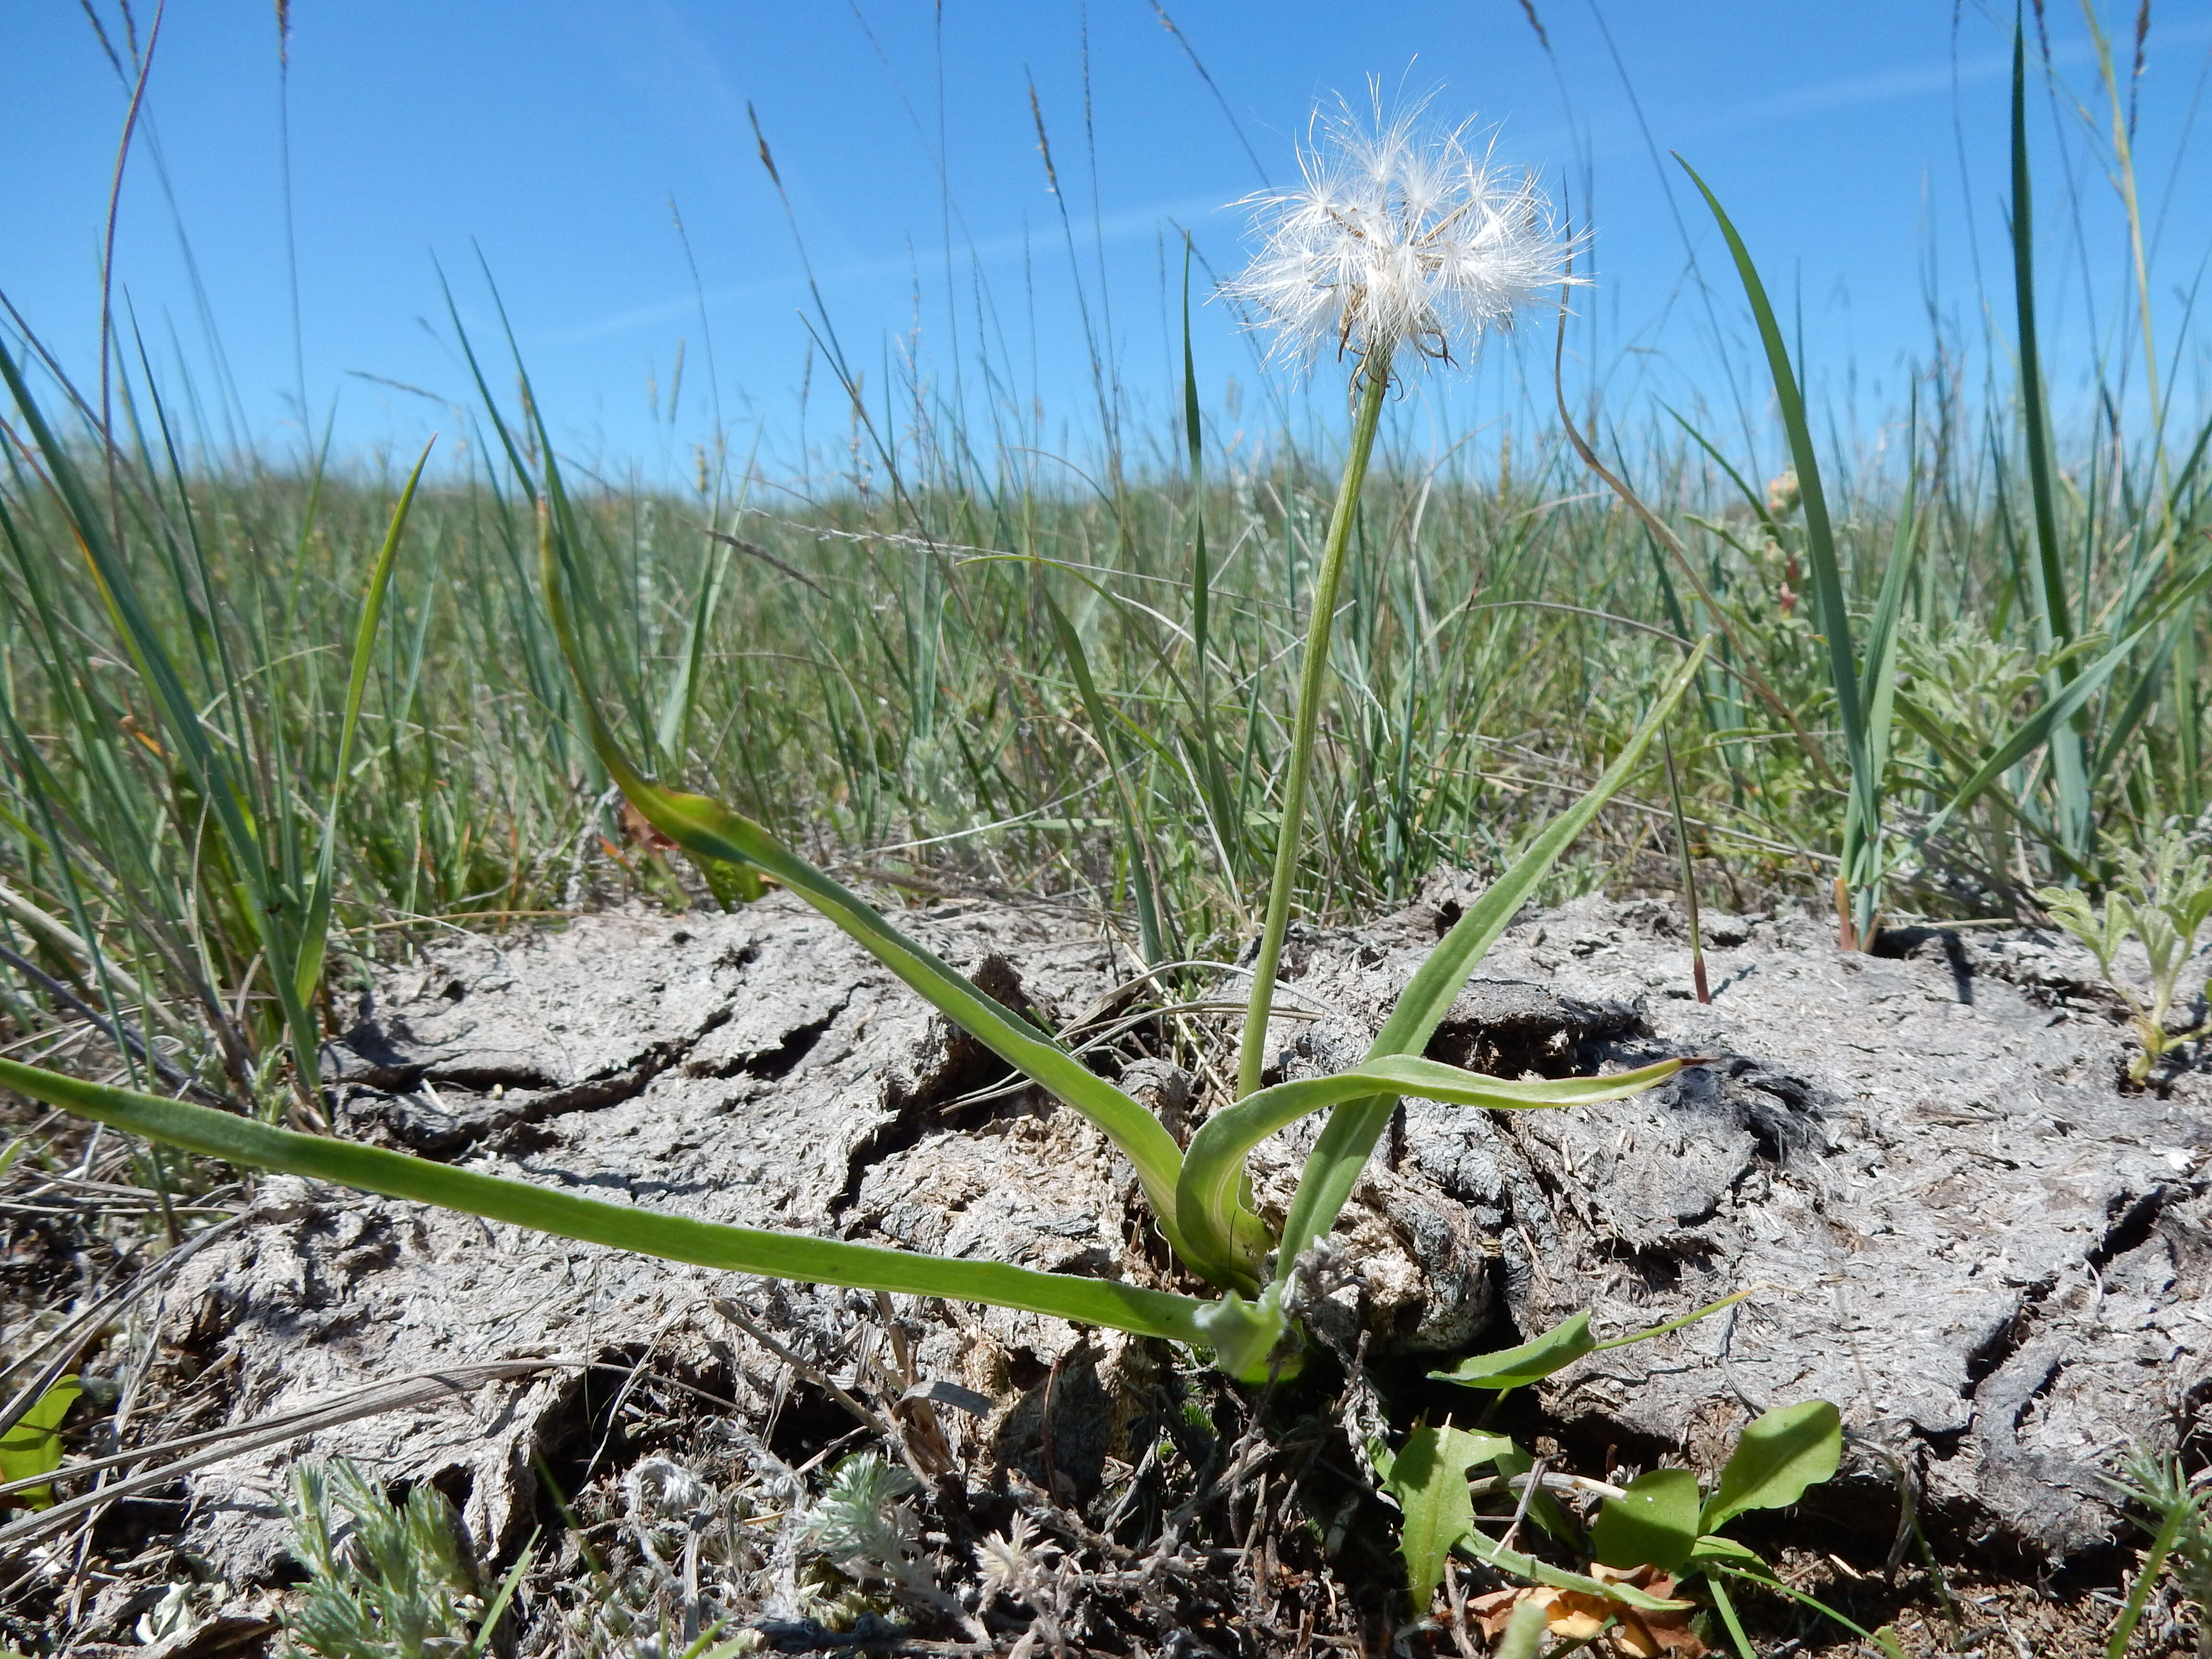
column 1399, row 243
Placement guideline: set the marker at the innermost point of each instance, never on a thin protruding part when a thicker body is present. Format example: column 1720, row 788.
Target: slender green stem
column 1311, row 680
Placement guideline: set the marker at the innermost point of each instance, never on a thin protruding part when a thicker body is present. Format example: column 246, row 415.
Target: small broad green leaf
column 34, row 1446
column 1515, row 1368
column 1788, row 1450
column 1428, row 1478
column 1654, row 1522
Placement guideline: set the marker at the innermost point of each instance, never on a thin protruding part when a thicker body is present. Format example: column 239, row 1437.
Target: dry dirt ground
column 1966, row 1233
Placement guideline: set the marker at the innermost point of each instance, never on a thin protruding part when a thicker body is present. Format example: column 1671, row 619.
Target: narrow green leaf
column 1136, row 832
column 1820, row 534
column 497, row 1609
column 1342, row 1150
column 1208, row 1206
column 1657, row 1522
column 1885, row 1638
column 2054, row 612
column 673, row 733
column 273, row 914
column 315, row 925
column 1779, row 1456
column 1725, row 1607
column 1213, row 777
column 1752, row 497
column 649, row 1232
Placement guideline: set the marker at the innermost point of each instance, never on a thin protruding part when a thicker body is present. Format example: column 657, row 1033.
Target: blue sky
column 1860, row 147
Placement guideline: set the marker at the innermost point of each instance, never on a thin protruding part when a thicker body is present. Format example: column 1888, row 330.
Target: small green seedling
column 34, row 1446
column 1662, row 1521
column 2162, row 901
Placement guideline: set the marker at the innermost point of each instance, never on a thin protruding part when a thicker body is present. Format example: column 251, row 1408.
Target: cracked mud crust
column 1971, row 1239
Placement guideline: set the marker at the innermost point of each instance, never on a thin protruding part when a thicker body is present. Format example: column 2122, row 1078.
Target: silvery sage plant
column 1403, row 247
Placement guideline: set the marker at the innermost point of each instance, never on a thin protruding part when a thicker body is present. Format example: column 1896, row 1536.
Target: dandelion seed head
column 1401, row 235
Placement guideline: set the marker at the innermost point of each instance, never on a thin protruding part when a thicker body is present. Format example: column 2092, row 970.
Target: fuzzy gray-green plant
column 2161, row 900
column 385, row 1580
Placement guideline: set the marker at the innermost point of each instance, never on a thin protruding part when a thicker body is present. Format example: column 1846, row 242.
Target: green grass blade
column 2054, row 613
column 1136, row 833
column 1353, row 1128
column 315, row 927
column 1212, row 774
column 672, row 735
column 1864, row 845
column 274, row 916
column 1819, row 533
column 2186, row 1509
column 1862, row 820
column 650, row 1232
column 1752, row 497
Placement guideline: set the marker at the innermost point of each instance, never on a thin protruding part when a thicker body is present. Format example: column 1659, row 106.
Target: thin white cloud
column 1128, row 225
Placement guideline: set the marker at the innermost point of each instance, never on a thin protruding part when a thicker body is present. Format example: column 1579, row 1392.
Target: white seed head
column 1402, row 234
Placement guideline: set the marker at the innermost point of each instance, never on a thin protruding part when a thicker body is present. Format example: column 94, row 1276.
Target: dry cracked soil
column 1965, row 1230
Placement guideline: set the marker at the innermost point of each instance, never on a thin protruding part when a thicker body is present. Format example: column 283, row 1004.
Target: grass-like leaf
column 314, row 932
column 275, row 913
column 650, row 1232
column 1206, row 1198
column 2055, row 612
column 1862, row 819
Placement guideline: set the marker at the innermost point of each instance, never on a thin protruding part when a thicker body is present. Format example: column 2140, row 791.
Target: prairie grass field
column 876, row 674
